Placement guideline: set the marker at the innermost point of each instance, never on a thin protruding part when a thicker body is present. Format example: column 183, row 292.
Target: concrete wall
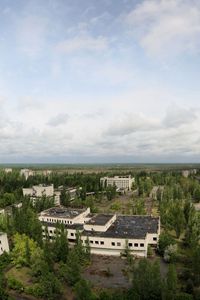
column 4, row 246
column 114, row 246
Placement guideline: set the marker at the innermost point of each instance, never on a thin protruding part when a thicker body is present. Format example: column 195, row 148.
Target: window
column 154, row 238
column 118, row 244
column 113, row 243
column 136, row 244
column 50, row 231
column 102, row 242
column 91, row 242
column 141, row 245
column 72, row 234
column 130, row 244
column 96, row 242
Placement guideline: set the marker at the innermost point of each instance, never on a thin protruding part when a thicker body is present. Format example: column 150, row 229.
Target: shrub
column 15, row 284
column 164, row 241
column 170, row 253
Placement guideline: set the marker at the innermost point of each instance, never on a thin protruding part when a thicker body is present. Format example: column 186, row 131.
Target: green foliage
column 3, row 294
column 196, row 265
column 65, row 198
column 171, row 282
column 127, row 253
column 146, row 284
column 110, row 192
column 149, row 251
column 15, row 284
column 164, row 240
column 170, row 254
column 25, row 220
column 71, row 271
column 138, row 207
column 83, row 290
column 50, row 287
column 60, row 244
column 21, row 255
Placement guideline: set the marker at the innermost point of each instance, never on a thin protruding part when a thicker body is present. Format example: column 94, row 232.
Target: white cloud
column 59, row 119
column 177, row 116
column 166, row 27
column 131, row 123
column 82, row 43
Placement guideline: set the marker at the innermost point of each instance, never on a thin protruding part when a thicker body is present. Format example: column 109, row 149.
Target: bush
column 170, row 253
column 35, row 291
column 164, row 241
column 15, row 284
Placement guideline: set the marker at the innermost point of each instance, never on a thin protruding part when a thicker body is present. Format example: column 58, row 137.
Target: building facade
column 26, row 173
column 121, row 182
column 107, row 234
column 4, row 246
column 37, row 191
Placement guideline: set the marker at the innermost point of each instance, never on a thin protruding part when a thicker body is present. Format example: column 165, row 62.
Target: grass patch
column 21, row 274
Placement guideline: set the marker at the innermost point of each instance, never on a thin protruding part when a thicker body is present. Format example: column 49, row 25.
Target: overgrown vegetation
column 50, row 266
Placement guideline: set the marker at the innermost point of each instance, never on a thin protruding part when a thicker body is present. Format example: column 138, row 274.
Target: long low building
column 108, row 234
column 4, row 246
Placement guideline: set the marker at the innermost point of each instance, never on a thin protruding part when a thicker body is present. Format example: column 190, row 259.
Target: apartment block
column 121, row 182
column 26, row 173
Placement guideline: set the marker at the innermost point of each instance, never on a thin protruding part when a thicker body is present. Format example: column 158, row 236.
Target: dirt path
column 107, row 272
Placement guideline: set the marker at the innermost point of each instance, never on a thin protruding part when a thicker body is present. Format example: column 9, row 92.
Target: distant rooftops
column 99, row 219
column 63, row 212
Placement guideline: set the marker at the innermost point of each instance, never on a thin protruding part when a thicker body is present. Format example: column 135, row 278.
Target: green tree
column 147, row 284
column 171, row 281
column 83, row 290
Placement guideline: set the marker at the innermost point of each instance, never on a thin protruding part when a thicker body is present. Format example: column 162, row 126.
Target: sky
column 99, row 81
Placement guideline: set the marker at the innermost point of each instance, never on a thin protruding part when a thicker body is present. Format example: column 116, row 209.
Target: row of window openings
column 117, row 244
column 54, row 231
column 60, row 221
column 113, row 243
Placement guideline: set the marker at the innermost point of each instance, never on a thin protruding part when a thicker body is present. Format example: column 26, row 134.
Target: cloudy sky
column 99, row 81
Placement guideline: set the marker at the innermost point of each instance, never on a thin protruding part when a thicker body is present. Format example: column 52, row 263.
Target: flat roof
column 99, row 219
column 63, row 212
column 135, row 227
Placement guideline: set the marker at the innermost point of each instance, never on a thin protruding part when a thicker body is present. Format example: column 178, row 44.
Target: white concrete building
column 4, row 246
column 8, row 170
column 26, row 173
column 37, row 191
column 107, row 233
column 72, row 191
column 121, row 182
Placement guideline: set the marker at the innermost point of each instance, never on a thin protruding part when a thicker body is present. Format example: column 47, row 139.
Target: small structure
column 72, row 191
column 121, row 182
column 186, row 173
column 26, row 173
column 8, row 170
column 107, row 234
column 4, row 246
